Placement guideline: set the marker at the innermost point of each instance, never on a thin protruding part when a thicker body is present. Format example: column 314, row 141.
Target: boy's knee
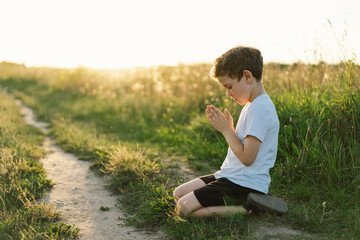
column 177, row 194
column 181, row 207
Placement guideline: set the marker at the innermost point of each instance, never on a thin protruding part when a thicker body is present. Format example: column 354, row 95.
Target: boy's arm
column 246, row 152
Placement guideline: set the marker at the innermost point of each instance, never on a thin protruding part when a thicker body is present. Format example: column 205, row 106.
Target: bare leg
column 188, row 187
column 188, row 205
column 220, row 211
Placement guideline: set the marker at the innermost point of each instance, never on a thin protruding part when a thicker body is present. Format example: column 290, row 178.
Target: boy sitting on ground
column 244, row 175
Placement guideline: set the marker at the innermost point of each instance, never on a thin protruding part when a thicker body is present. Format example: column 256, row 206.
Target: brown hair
column 236, row 60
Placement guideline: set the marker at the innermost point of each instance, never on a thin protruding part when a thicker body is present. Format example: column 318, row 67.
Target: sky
column 122, row 34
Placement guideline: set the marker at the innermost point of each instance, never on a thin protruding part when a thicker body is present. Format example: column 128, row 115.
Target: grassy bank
column 137, row 124
column 22, row 180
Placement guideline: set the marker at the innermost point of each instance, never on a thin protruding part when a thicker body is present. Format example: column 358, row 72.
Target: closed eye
column 227, row 86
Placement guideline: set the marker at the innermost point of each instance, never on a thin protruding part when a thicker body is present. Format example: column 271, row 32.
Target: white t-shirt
column 258, row 119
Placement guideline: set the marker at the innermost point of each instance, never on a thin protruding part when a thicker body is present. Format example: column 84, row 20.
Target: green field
column 139, row 125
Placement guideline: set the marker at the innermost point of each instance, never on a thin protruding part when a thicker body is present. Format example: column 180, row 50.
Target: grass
column 22, row 180
column 130, row 123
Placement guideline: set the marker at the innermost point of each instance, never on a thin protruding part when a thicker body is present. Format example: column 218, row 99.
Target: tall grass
column 318, row 107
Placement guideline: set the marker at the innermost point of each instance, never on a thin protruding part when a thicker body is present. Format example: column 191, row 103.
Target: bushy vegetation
column 111, row 116
column 22, row 180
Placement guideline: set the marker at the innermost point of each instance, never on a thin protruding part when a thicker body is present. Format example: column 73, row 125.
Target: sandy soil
column 276, row 231
column 78, row 194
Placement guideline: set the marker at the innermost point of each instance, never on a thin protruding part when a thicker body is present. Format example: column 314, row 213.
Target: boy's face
column 238, row 90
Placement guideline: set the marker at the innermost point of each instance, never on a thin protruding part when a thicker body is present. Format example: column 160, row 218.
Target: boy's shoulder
column 262, row 102
column 263, row 109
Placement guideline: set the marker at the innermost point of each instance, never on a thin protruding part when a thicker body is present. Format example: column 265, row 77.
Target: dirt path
column 79, row 194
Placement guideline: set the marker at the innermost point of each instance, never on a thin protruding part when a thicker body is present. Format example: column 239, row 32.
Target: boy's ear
column 248, row 76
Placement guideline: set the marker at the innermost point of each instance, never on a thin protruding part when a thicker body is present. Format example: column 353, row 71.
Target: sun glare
column 115, row 34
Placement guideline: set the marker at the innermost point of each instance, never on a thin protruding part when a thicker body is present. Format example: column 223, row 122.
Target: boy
column 252, row 145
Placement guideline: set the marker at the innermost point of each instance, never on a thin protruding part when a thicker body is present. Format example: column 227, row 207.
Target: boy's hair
column 236, row 60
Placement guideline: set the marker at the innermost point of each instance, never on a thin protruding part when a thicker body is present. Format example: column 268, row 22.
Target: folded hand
column 221, row 122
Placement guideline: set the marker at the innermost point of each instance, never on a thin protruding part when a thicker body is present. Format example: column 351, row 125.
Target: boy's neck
column 258, row 89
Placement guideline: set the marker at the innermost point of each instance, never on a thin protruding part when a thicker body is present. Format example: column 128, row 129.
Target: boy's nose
column 229, row 94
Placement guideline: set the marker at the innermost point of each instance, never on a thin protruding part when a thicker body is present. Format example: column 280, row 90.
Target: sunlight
column 116, row 34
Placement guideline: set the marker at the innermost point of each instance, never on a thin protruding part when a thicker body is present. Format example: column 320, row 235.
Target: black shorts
column 221, row 192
